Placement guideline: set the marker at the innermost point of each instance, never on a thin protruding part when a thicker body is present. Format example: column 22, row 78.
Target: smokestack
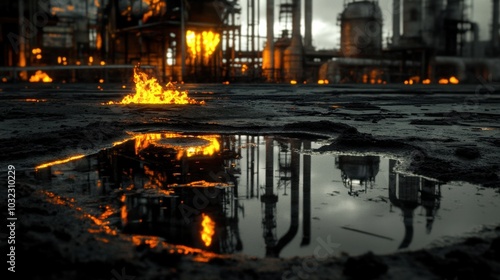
column 268, row 54
column 396, row 16
column 494, row 25
column 308, row 24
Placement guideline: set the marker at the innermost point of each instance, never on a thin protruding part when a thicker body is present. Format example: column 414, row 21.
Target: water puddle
column 267, row 196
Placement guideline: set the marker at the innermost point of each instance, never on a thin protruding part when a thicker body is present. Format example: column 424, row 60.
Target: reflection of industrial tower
column 269, row 199
column 409, row 192
column 362, row 169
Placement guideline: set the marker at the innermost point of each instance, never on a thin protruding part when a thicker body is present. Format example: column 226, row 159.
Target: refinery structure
column 433, row 41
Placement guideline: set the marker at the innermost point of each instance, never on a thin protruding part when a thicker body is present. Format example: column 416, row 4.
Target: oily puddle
column 266, row 196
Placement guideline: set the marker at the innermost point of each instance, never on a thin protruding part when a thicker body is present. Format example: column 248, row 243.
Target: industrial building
column 207, row 41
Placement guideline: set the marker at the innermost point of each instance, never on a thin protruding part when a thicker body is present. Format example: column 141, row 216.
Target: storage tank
column 361, row 29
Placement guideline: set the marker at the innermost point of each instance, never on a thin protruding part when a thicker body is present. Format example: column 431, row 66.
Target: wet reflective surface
column 268, row 196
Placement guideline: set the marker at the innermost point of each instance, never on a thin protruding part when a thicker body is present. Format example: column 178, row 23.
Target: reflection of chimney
column 495, row 25
column 308, row 24
column 269, row 198
column 396, row 16
column 306, row 238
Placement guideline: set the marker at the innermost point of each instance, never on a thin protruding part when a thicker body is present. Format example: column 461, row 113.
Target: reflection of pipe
column 306, row 177
column 294, row 205
column 408, row 222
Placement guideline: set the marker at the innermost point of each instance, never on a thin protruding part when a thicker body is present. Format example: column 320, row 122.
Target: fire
column 202, row 43
column 453, row 80
column 208, row 230
column 40, row 76
column 59, row 161
column 209, row 148
column 149, row 91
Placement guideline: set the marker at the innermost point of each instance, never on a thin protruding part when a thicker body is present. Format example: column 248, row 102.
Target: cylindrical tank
column 361, row 29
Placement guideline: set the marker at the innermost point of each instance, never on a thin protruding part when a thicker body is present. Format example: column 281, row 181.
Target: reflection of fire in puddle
column 267, row 196
column 149, row 91
column 35, row 100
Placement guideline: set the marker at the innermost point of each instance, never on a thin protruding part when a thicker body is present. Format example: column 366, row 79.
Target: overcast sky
column 326, row 32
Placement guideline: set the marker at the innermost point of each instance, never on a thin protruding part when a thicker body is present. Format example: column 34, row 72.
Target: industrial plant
column 219, row 41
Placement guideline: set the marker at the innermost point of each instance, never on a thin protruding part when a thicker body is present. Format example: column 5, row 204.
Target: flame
column 443, row 81
column 144, row 140
column 40, row 76
column 208, row 229
column 204, row 43
column 149, row 91
column 453, row 80
column 59, row 161
column 426, row 82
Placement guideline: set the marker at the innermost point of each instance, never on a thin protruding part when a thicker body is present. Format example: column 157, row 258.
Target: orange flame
column 40, row 76
column 208, row 230
column 204, row 43
column 144, row 140
column 58, row 161
column 149, row 91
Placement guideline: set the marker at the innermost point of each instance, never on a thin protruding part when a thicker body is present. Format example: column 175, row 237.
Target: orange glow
column 35, row 100
column 426, row 81
column 211, row 147
column 322, row 82
column 208, row 230
column 454, row 80
column 101, row 81
column 59, row 161
column 204, row 43
column 40, row 76
column 103, row 63
column 443, row 81
column 149, row 91
column 293, row 82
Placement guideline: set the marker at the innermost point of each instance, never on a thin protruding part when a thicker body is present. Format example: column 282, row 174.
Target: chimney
column 396, row 17
column 494, row 25
column 308, row 24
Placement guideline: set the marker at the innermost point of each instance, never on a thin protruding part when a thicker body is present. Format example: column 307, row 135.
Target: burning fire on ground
column 149, row 91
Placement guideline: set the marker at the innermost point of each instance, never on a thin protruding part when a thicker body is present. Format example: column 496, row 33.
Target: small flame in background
column 40, row 76
column 208, row 230
column 149, row 91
